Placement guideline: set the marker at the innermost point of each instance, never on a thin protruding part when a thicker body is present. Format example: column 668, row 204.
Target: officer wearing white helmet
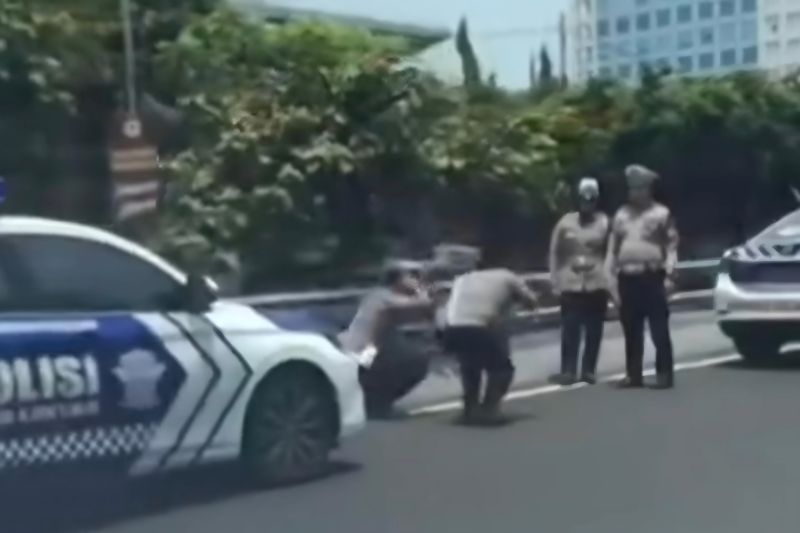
column 398, row 365
column 642, row 255
column 577, row 257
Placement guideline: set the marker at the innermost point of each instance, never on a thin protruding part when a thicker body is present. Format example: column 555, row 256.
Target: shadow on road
column 80, row 503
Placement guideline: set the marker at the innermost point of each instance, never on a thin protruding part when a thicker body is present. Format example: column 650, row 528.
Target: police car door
column 91, row 344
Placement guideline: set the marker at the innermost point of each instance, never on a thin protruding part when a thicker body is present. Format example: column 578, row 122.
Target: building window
column 624, row 49
column 643, row 21
column 773, row 47
column 727, row 33
column 643, row 47
column 706, row 10
column 748, row 6
column 604, row 52
column 664, row 43
column 727, row 8
column 663, row 63
column 663, row 17
column 684, row 14
column 706, row 61
column 727, row 58
column 603, row 28
column 685, row 39
column 773, row 24
column 625, row 71
column 605, row 72
column 642, row 3
column 685, row 64
column 749, row 30
column 750, row 55
column 794, row 45
column 793, row 21
column 706, row 36
column 623, row 25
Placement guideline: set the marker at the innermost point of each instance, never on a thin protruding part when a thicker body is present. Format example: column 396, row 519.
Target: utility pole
column 130, row 57
column 562, row 43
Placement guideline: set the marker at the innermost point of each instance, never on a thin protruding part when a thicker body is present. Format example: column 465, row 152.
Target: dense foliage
column 312, row 148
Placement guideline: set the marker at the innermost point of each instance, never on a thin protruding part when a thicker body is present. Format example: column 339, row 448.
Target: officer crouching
column 474, row 331
column 399, row 364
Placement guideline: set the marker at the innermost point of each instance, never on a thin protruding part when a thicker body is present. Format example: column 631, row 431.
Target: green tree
column 545, row 68
column 289, row 124
column 469, row 61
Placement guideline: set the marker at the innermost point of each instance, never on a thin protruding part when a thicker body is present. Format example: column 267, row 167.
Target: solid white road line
column 550, row 389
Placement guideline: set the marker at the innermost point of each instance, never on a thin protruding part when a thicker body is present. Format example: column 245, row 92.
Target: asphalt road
column 717, row 454
column 537, row 355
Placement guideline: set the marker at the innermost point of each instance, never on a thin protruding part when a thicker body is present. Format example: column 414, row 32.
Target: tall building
column 614, row 38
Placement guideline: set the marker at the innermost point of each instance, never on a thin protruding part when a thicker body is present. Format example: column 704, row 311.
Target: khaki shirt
column 643, row 240
column 483, row 297
column 578, row 254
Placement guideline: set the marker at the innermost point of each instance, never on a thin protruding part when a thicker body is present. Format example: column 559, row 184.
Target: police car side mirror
column 199, row 294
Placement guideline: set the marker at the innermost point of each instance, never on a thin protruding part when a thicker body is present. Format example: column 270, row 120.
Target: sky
column 504, row 32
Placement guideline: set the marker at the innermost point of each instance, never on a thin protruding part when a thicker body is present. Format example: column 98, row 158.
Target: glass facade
column 703, row 37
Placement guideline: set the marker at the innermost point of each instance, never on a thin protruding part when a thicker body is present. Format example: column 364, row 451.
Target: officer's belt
column 641, row 268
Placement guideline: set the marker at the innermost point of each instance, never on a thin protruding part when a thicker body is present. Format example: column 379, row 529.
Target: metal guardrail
column 344, row 295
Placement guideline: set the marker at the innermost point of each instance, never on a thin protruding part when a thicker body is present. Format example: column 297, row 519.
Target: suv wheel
column 290, row 428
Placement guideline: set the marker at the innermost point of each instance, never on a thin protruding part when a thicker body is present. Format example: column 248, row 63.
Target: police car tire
column 756, row 350
column 291, row 405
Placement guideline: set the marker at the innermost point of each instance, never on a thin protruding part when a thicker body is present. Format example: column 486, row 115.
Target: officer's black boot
column 498, row 385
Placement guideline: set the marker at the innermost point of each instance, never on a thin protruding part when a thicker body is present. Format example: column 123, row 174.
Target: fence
column 539, row 280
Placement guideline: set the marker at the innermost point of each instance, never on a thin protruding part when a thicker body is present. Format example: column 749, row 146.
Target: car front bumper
column 350, row 396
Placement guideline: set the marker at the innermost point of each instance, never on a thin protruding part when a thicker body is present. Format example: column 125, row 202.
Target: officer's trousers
column 398, row 368
column 583, row 315
column 643, row 298
column 481, row 350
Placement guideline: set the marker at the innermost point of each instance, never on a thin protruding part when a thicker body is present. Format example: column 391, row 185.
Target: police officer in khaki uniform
column 642, row 256
column 577, row 258
column 399, row 364
column 475, row 332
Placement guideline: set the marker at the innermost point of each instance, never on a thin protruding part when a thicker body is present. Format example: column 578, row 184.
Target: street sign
column 132, row 128
column 136, row 184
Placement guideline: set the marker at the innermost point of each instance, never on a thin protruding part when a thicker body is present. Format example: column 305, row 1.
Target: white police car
column 757, row 294
column 109, row 355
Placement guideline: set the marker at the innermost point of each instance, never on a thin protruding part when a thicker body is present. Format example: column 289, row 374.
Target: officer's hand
column 669, row 285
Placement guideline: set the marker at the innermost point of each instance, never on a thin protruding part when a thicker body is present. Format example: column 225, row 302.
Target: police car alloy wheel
column 290, row 427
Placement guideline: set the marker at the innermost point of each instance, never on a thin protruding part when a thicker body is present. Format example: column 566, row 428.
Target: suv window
column 69, row 274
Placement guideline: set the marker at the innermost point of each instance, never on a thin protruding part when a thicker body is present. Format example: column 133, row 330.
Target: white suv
column 757, row 294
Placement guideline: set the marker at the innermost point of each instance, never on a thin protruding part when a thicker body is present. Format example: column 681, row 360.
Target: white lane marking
column 550, row 389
